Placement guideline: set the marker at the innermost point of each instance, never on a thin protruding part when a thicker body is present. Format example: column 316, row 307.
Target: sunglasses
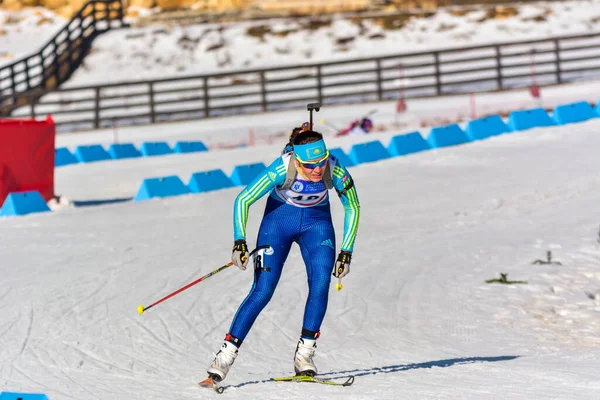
column 313, row 165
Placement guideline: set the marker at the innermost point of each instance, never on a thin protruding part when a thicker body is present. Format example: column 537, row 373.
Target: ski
column 210, row 383
column 314, row 379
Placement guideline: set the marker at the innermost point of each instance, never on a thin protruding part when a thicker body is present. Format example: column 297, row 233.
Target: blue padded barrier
column 161, row 187
column 409, row 143
column 123, row 150
column 63, row 156
column 483, row 128
column 575, row 112
column 244, row 174
column 91, row 153
column 343, row 157
column 209, row 180
column 22, row 396
column 189, row 147
column 527, row 119
column 368, row 152
column 22, row 203
column 149, row 149
column 449, row 135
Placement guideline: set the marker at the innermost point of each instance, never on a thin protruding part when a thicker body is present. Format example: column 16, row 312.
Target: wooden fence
column 435, row 73
column 24, row 80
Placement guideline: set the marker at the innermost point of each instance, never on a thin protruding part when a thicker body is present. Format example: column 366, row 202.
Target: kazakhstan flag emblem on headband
column 310, row 151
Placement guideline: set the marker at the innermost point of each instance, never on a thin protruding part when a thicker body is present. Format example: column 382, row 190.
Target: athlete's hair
column 294, row 133
column 306, row 137
column 290, row 144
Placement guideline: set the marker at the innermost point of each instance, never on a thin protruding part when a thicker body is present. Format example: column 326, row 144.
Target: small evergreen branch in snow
column 548, row 261
column 591, row 296
column 594, row 296
column 504, row 280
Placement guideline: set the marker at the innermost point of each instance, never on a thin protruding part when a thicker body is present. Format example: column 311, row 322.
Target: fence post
column 438, row 82
column 151, row 94
column 12, row 81
column 56, row 64
column 43, row 73
column 107, row 11
column 498, row 67
column 26, row 61
column 97, row 108
column 379, row 86
column 557, row 58
column 69, row 50
column 263, row 91
column 120, row 7
column 32, row 107
column 93, row 15
column 206, row 102
column 319, row 84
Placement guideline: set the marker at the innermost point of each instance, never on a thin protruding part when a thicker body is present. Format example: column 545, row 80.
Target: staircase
column 27, row 79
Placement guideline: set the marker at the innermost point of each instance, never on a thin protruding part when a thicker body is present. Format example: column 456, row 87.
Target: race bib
column 304, row 193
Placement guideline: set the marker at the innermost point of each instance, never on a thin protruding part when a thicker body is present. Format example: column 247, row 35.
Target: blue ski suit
column 300, row 214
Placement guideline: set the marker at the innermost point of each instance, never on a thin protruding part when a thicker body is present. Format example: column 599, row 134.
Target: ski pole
column 339, row 285
column 371, row 112
column 141, row 308
column 322, row 121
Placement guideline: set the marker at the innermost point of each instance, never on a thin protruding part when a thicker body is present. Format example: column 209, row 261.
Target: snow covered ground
column 157, row 51
column 414, row 320
column 23, row 33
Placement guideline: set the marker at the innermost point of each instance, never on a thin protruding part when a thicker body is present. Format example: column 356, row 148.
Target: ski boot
column 223, row 361
column 303, row 359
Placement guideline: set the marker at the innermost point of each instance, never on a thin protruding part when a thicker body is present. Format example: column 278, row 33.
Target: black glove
column 342, row 265
column 240, row 254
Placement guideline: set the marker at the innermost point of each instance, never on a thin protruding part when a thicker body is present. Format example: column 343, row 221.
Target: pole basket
column 535, row 91
column 400, row 106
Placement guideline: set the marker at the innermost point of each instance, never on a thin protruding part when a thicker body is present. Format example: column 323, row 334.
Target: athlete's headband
column 310, row 151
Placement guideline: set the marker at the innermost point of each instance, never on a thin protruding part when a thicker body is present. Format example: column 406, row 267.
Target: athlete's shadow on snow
column 429, row 364
column 397, row 368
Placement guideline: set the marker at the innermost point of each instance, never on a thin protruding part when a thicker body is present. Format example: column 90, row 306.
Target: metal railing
column 23, row 81
column 450, row 71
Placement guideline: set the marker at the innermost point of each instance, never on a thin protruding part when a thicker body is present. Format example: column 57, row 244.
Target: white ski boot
column 303, row 359
column 224, row 359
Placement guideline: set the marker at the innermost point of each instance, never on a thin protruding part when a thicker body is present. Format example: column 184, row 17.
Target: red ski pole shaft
column 141, row 308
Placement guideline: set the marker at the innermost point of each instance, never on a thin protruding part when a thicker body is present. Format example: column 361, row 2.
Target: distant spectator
column 357, row 127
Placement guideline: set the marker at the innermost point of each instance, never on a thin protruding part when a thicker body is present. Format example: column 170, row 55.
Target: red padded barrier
column 27, row 157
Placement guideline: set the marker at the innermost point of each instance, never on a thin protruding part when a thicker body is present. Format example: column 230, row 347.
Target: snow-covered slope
column 158, row 51
column 414, row 320
column 152, row 52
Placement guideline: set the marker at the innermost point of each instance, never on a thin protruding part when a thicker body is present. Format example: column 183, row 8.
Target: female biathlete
column 298, row 211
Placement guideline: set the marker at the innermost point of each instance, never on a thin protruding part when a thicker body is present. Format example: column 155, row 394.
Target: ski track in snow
column 28, row 334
